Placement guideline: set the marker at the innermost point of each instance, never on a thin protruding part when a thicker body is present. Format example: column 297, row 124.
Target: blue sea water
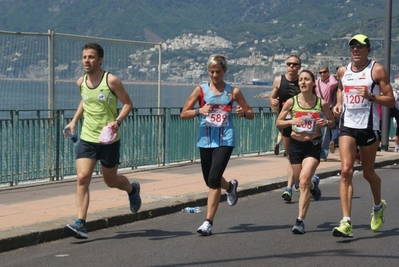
column 176, row 96
column 34, row 95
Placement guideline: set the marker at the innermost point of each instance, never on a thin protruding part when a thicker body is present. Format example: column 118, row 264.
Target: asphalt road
column 255, row 232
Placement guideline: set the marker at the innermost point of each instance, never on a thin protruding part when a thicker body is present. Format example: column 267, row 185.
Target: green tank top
column 99, row 109
column 310, row 115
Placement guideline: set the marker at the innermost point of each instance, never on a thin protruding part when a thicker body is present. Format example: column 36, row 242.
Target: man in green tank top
column 100, row 92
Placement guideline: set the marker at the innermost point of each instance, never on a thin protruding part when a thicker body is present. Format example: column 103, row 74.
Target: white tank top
column 358, row 112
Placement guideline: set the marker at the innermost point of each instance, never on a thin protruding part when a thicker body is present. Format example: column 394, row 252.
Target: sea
column 35, row 96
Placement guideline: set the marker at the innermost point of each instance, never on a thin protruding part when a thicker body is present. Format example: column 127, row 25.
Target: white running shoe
column 205, row 229
column 232, row 197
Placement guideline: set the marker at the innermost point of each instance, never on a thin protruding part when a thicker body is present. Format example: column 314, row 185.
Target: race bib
column 218, row 117
column 353, row 100
column 309, row 126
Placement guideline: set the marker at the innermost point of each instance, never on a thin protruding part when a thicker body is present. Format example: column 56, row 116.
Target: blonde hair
column 217, row 59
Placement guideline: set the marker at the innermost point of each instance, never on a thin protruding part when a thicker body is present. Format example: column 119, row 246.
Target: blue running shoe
column 287, row 195
column 299, row 227
column 77, row 230
column 316, row 192
column 135, row 199
column 296, row 187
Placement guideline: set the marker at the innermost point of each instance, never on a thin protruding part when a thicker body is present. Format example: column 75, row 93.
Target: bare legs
column 290, row 174
column 214, row 199
column 85, row 167
column 304, row 173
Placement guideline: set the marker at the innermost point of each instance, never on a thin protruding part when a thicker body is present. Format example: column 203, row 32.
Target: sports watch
column 372, row 97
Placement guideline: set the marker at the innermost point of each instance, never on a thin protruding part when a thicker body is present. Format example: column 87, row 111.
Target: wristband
column 197, row 112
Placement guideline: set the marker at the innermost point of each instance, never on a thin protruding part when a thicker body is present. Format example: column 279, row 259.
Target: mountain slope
column 236, row 20
column 279, row 26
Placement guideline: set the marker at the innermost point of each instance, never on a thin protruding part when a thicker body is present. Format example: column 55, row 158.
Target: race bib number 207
column 352, row 99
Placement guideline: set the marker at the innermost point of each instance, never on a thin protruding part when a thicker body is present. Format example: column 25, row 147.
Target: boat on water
column 261, row 82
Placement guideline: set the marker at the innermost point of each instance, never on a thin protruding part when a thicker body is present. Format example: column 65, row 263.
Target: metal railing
column 33, row 148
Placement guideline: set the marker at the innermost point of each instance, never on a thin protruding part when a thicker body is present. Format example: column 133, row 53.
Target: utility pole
column 385, row 111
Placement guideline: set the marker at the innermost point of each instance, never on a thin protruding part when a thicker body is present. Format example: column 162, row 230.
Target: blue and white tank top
column 217, row 128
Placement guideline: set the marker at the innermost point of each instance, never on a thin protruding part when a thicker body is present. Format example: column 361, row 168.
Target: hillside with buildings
column 255, row 35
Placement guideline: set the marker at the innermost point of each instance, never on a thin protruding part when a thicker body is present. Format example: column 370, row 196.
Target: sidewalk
column 38, row 214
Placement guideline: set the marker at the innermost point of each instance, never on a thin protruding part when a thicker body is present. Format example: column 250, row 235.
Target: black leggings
column 213, row 163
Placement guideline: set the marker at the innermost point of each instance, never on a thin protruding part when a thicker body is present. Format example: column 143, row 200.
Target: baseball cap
column 361, row 38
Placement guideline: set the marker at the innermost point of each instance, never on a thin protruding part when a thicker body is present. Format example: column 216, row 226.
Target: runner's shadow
column 328, row 226
column 245, row 228
column 151, row 234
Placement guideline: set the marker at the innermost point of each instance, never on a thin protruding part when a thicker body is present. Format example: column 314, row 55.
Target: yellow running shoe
column 345, row 229
column 378, row 218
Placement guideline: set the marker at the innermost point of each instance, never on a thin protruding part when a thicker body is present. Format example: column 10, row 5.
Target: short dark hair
column 95, row 46
column 295, row 56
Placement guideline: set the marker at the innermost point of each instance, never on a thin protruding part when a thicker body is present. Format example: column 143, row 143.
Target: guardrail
column 33, row 148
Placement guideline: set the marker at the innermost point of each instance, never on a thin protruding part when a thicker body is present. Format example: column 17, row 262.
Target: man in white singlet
column 362, row 85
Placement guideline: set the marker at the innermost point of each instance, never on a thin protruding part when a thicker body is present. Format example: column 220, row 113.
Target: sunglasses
column 292, row 64
column 214, row 71
column 358, row 46
column 322, row 72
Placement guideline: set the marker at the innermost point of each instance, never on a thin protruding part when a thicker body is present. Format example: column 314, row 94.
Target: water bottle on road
column 191, row 210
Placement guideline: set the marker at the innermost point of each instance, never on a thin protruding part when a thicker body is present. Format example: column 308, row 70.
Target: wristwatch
column 372, row 97
column 118, row 122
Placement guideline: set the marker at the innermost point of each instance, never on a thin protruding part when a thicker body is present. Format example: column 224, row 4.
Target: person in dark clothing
column 285, row 87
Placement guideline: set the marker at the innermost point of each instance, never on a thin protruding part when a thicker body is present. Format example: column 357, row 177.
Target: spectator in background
column 394, row 113
column 326, row 87
column 335, row 130
column 285, row 87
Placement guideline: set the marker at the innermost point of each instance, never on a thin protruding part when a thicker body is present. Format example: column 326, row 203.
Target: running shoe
column 296, row 187
column 277, row 149
column 299, row 227
column 205, row 229
column 287, row 195
column 77, row 230
column 357, row 157
column 378, row 218
column 316, row 192
column 332, row 147
column 345, row 229
column 232, row 197
column 135, row 199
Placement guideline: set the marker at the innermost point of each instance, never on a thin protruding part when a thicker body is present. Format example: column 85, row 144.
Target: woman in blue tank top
column 216, row 138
